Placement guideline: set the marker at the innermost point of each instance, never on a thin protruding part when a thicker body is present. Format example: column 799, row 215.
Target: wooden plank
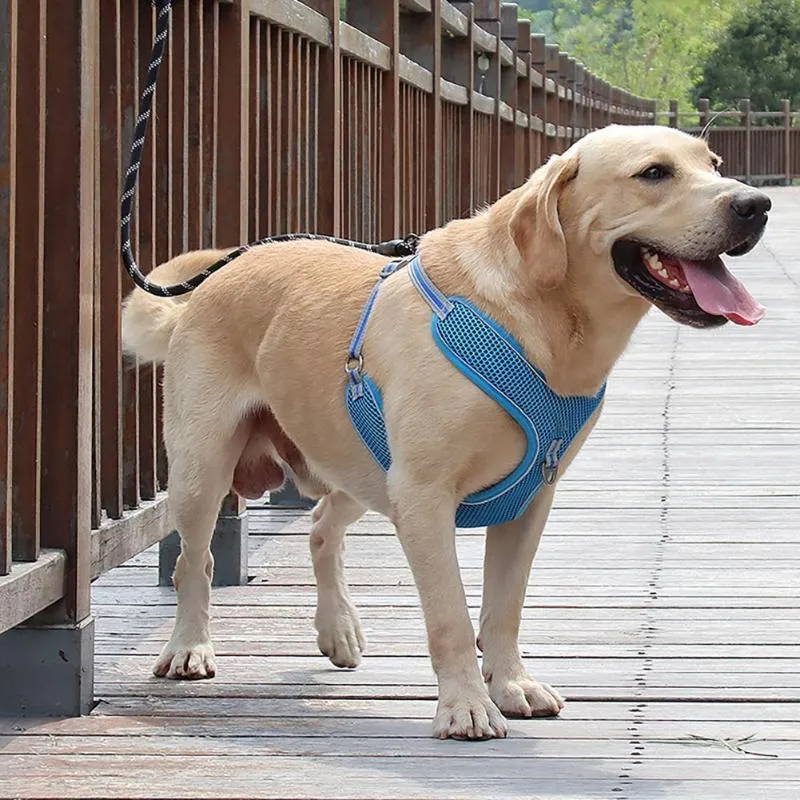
column 31, row 587
column 408, row 720
column 328, row 120
column 233, row 777
column 28, row 274
column 68, row 295
column 146, row 255
column 421, row 66
column 210, row 28
column 129, row 99
column 110, row 288
column 415, row 74
column 357, row 44
column 118, row 540
column 333, row 746
column 8, row 79
column 454, row 21
column 297, row 17
column 232, row 162
column 381, row 23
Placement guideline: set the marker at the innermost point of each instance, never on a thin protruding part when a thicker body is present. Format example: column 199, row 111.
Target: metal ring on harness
column 549, row 473
column 354, row 364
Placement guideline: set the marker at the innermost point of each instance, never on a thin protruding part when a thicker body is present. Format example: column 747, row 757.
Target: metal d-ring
column 354, row 364
column 549, row 473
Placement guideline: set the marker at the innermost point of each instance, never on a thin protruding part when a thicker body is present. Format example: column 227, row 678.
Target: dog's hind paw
column 186, row 662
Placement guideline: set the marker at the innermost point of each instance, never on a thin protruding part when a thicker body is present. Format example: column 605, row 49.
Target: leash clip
column 550, row 463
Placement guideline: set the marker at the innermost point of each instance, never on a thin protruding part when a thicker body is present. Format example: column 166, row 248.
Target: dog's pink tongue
column 719, row 292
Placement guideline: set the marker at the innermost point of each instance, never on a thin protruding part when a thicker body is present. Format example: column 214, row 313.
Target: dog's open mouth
column 703, row 293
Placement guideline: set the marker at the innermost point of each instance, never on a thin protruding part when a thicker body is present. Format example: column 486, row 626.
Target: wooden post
column 539, row 97
column 747, row 120
column 487, row 15
column 8, row 31
column 524, row 101
column 47, row 665
column 29, row 116
column 229, row 545
column 508, row 95
column 652, row 108
column 608, row 102
column 589, row 90
column 110, row 280
column 787, row 141
column 553, row 104
column 564, row 101
column 421, row 41
column 458, row 66
column 381, row 22
column 702, row 107
column 581, row 83
column 673, row 114
column 329, row 123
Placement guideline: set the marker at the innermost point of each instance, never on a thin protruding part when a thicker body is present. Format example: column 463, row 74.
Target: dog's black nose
column 750, row 205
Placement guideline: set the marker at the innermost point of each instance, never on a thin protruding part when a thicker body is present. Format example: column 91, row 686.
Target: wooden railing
column 758, row 147
column 270, row 116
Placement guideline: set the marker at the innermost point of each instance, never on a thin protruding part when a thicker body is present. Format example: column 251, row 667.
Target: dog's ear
column 535, row 226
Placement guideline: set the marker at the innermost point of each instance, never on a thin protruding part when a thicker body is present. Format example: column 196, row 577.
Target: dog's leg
column 339, row 633
column 202, row 449
column 189, row 653
column 510, row 549
column 425, row 521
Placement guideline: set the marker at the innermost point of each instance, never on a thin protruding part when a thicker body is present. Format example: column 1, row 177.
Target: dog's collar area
column 493, row 360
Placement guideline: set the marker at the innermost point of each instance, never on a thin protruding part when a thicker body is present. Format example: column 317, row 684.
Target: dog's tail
column 148, row 321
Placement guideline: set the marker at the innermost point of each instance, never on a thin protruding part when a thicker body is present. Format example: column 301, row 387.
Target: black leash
column 395, row 248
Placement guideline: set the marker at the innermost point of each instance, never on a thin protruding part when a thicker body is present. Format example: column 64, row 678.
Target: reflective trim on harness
column 493, row 360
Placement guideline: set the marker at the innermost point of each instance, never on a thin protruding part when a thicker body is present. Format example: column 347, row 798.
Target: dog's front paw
column 181, row 661
column 339, row 633
column 525, row 697
column 470, row 714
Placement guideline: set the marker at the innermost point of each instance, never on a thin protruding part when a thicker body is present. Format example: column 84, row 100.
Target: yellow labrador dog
column 568, row 264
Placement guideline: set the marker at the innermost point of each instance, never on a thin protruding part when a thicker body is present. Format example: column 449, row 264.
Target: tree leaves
column 653, row 48
column 758, row 57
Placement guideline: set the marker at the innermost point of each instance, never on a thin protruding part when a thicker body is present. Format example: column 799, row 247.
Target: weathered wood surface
column 663, row 603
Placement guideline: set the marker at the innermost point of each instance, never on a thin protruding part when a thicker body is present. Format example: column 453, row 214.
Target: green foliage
column 542, row 20
column 649, row 47
column 758, row 57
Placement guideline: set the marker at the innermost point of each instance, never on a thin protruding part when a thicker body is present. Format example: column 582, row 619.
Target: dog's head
column 642, row 210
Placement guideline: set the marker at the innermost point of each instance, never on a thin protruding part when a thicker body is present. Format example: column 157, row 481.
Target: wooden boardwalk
column 664, row 604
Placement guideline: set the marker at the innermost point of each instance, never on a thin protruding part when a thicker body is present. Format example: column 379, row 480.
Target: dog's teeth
column 675, row 283
column 652, row 259
column 663, row 273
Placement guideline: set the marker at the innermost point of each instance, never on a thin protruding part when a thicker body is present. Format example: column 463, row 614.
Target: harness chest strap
column 493, row 360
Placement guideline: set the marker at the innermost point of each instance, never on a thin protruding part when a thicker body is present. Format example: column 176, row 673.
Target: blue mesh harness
column 494, row 361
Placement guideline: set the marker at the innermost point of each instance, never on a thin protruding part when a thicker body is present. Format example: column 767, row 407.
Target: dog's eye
column 658, row 172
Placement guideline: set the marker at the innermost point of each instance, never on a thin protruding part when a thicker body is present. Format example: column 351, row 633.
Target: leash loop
column 395, row 248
